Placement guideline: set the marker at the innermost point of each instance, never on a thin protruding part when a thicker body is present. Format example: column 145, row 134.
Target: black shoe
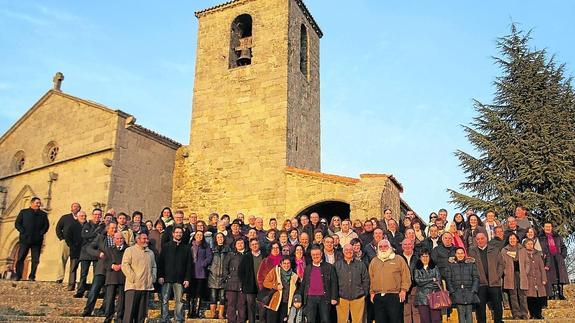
column 32, row 279
column 99, row 312
column 86, row 314
column 79, row 295
column 59, row 281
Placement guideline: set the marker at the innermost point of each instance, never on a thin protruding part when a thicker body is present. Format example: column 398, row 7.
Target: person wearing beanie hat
column 296, row 311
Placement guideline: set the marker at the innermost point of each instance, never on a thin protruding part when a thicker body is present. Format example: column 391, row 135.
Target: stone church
column 254, row 144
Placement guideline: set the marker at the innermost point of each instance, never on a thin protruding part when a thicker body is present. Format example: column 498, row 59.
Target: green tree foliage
column 524, row 139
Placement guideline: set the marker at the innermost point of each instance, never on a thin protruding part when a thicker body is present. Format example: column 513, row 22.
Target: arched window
column 18, row 161
column 303, row 53
column 51, row 152
column 241, row 41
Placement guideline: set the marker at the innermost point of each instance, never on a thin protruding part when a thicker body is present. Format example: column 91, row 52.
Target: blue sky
column 397, row 77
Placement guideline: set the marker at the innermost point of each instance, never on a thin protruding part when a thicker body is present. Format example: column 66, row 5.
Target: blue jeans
column 178, row 291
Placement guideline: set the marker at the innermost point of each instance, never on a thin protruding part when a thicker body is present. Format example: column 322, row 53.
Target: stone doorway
column 328, row 209
column 14, row 257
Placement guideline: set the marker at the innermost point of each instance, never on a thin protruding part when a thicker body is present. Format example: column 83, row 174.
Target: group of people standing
column 304, row 269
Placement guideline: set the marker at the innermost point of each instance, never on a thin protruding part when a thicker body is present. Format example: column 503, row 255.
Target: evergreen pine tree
column 525, row 139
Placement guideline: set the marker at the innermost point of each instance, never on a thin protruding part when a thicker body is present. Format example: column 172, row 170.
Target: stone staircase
column 26, row 301
column 556, row 311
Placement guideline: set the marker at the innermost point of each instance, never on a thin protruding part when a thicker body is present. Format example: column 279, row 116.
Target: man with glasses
column 390, row 280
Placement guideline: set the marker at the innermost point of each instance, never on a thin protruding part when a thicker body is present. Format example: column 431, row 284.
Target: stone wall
column 239, row 122
column 85, row 135
column 303, row 132
column 306, row 188
column 142, row 171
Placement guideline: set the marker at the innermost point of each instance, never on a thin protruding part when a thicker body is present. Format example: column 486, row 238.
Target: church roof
column 232, row 3
column 136, row 128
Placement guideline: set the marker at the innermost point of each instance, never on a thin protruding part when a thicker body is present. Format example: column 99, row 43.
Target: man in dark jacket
column 115, row 279
column 90, row 230
column 235, row 299
column 73, row 239
column 174, row 272
column 512, row 227
column 179, row 221
column 65, row 221
column 394, row 236
column 353, row 281
column 498, row 240
column 319, row 288
column 443, row 252
column 32, row 223
column 371, row 248
column 490, row 267
column 367, row 235
column 97, row 249
column 313, row 225
column 249, row 266
column 433, row 240
column 410, row 311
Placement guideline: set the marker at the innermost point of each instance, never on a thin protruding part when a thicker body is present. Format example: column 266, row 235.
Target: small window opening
column 51, row 152
column 303, row 52
column 241, row 41
column 19, row 161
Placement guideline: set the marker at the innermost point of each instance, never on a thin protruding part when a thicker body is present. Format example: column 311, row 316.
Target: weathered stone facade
column 255, row 139
column 103, row 160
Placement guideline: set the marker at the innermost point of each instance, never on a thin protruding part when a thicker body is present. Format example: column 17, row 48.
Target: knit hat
column 297, row 298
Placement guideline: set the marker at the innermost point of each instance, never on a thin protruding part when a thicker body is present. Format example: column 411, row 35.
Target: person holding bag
column 463, row 284
column 282, row 281
column 427, row 278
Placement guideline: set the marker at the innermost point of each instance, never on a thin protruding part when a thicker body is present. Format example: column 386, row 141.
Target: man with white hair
column 64, row 223
column 390, row 279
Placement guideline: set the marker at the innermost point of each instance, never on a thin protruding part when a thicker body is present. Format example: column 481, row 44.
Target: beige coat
column 139, row 266
column 271, row 281
column 389, row 276
column 508, row 273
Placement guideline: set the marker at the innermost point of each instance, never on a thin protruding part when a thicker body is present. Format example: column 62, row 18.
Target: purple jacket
column 202, row 261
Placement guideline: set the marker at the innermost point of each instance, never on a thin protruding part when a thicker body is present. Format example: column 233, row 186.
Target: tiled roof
column 300, row 4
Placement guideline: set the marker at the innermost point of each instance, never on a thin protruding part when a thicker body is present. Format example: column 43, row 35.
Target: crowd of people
column 305, row 268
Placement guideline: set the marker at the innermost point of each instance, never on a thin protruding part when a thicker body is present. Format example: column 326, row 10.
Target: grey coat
column 495, row 266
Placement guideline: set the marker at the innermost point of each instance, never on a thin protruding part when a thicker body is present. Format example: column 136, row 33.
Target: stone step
column 51, row 319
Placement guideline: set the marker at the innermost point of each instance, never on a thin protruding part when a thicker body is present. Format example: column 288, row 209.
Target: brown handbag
column 439, row 300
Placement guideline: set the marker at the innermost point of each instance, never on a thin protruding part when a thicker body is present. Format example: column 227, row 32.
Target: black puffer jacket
column 463, row 281
column 231, row 273
column 216, row 270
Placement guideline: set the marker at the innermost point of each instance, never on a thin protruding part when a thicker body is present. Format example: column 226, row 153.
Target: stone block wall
column 238, row 144
column 85, row 136
column 303, row 131
column 141, row 172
